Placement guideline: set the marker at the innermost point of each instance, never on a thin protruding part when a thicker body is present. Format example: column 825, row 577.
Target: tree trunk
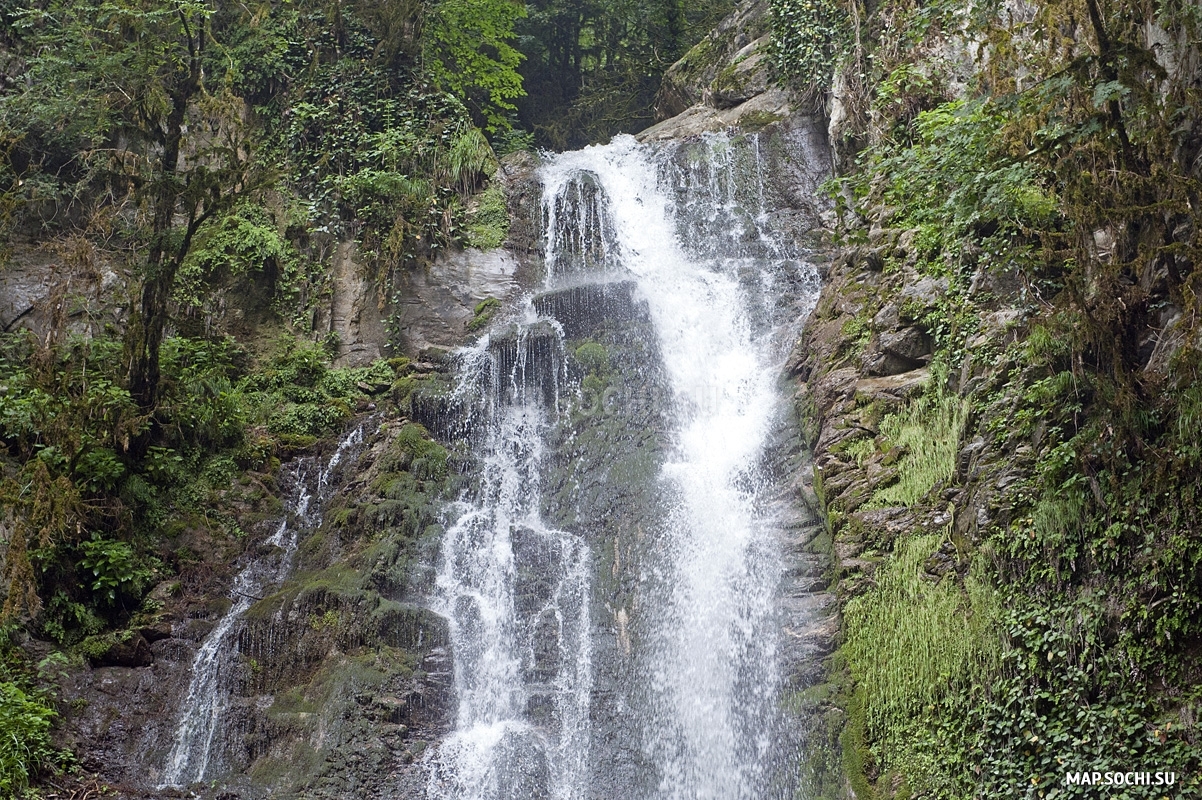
column 148, row 322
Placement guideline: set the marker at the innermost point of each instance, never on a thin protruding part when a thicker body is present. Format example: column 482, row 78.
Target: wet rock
column 909, row 344
column 879, row 362
column 437, row 303
column 131, row 652
column 534, row 358
column 519, row 179
column 38, row 290
column 156, row 631
column 581, row 310
column 926, row 291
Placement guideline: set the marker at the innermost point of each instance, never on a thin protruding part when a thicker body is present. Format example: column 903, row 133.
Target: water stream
column 191, row 758
column 618, row 635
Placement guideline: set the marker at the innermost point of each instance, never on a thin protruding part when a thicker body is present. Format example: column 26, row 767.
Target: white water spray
column 689, row 224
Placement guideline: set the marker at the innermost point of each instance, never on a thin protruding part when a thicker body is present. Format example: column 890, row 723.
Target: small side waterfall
column 616, row 581
column 204, row 706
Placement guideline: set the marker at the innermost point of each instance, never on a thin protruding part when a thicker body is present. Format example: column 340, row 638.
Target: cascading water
column 680, row 237
column 208, row 695
column 520, row 641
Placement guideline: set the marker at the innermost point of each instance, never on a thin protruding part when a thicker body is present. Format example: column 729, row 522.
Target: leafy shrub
column 956, row 174
column 112, row 567
column 246, row 241
column 25, row 746
column 98, row 470
column 808, row 36
column 469, row 53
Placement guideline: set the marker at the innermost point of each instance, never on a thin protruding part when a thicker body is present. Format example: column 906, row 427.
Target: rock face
column 725, row 69
column 435, row 305
column 336, row 680
column 723, row 82
column 863, row 355
column 355, row 311
column 43, row 288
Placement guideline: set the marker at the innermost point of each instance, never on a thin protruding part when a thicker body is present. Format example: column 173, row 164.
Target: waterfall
column 208, row 696
column 621, row 424
column 520, row 641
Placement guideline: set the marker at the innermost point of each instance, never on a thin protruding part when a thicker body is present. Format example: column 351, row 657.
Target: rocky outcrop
column 865, row 354
column 724, row 81
column 438, row 305
column 725, row 69
column 435, row 305
column 337, row 679
column 68, row 288
column 353, row 318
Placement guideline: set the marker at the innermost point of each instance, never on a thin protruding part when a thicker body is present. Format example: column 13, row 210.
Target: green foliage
column 89, row 512
column 928, row 431
column 244, row 242
column 25, row 744
column 1062, row 165
column 27, row 714
column 956, row 176
column 297, row 394
column 808, row 37
column 97, row 73
column 1062, row 702
column 858, row 330
column 914, row 639
column 114, row 568
column 488, row 225
column 393, row 161
column 469, row 52
column 200, row 407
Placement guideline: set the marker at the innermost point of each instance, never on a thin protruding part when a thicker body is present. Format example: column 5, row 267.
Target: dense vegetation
column 1062, row 161
column 216, row 154
column 209, row 157
column 592, row 69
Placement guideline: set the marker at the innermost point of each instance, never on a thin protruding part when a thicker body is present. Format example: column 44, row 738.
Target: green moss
column 484, row 312
column 753, row 121
column 913, row 640
column 413, row 450
column 928, row 431
column 695, row 62
column 488, row 225
column 727, row 81
column 94, row 647
column 857, row 757
column 593, row 357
